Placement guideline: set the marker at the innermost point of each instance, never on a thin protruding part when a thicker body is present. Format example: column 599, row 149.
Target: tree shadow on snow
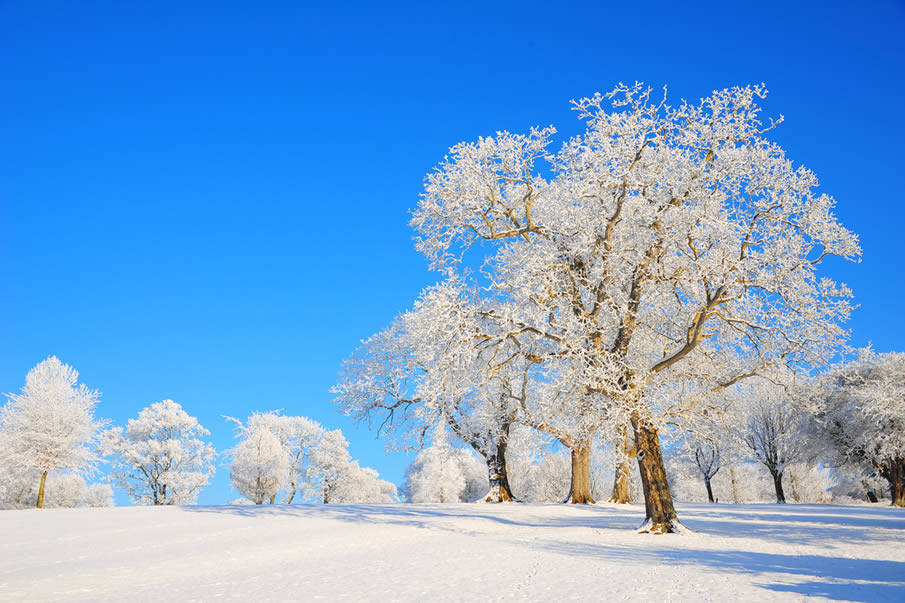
column 835, row 578
column 441, row 516
column 799, row 524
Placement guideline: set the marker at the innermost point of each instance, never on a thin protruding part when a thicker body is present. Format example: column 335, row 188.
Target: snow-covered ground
column 463, row 552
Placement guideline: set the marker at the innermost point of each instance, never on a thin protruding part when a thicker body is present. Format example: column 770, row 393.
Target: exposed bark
column 580, row 490
column 40, row 504
column 497, row 474
column 661, row 517
column 777, row 484
column 622, row 483
column 273, row 498
column 733, row 479
column 793, row 480
column 894, row 473
column 709, row 490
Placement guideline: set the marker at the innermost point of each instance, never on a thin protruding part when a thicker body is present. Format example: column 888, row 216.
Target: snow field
column 461, row 552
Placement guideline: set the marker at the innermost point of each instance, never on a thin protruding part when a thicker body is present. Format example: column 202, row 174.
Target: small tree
column 259, row 465
column 706, row 456
column 772, row 432
column 51, row 424
column 161, row 459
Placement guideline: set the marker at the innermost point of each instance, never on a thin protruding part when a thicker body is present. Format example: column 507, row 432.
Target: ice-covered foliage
column 299, row 437
column 295, row 456
column 259, row 465
column 672, row 247
column 772, row 429
column 859, row 408
column 436, row 475
column 50, row 425
column 160, row 458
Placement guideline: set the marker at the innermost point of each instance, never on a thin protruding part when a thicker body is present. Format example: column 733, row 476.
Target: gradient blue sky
column 209, row 201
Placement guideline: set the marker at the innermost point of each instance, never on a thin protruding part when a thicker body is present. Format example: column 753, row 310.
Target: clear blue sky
column 210, row 202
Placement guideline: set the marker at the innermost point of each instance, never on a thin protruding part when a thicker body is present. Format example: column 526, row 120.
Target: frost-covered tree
column 860, row 410
column 160, row 458
column 299, row 437
column 417, row 374
column 50, row 425
column 669, row 244
column 259, row 465
column 357, row 484
column 773, row 430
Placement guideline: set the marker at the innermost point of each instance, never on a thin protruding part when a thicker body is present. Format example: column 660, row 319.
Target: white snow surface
column 458, row 552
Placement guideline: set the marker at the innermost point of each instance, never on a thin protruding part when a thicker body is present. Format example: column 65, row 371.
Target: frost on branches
column 294, row 458
column 160, row 458
column 665, row 249
column 49, row 426
column 860, row 411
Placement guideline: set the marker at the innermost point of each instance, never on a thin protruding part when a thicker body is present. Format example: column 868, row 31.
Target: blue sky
column 210, row 202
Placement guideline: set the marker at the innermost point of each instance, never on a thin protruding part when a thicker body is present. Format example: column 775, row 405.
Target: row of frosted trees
column 836, row 438
column 609, row 289
column 50, row 441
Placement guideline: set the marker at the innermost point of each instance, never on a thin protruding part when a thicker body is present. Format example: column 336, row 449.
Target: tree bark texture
column 580, row 492
column 709, row 490
column 40, row 504
column 895, row 475
column 777, row 484
column 622, row 483
column 658, row 505
column 498, row 476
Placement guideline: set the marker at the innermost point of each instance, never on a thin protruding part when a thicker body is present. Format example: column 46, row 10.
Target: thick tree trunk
column 895, row 475
column 40, row 504
column 273, row 498
column 658, row 505
column 580, row 491
column 622, row 483
column 500, row 491
column 777, row 484
column 709, row 490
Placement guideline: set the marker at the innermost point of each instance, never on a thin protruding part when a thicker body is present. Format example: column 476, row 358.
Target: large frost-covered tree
column 860, row 410
column 160, row 458
column 50, row 425
column 666, row 244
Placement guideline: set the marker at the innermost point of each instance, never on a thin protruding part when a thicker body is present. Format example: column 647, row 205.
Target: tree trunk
column 794, row 482
column 709, row 489
column 733, row 479
column 777, row 484
column 273, row 498
column 895, row 475
column 497, row 475
column 40, row 504
column 580, row 492
column 622, row 484
column 661, row 514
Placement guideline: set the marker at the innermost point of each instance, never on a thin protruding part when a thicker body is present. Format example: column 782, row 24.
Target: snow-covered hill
column 464, row 552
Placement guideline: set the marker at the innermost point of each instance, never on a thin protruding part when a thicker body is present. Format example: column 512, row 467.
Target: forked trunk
column 273, row 498
column 580, row 492
column 777, row 484
column 709, row 489
column 658, row 505
column 40, row 504
column 622, row 483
